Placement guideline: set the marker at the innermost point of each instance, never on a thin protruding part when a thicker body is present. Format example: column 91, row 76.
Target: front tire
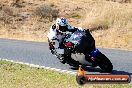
column 103, row 62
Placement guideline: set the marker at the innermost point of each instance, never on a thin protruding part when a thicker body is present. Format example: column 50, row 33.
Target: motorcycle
column 80, row 45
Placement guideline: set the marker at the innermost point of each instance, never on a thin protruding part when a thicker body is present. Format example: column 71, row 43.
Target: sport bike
column 80, row 45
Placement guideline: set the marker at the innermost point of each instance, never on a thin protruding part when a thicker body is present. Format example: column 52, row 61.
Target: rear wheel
column 72, row 62
column 103, row 62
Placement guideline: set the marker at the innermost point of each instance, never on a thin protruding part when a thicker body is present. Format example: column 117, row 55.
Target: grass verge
column 14, row 75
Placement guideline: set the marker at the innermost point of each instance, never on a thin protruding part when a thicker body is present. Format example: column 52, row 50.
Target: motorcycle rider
column 57, row 34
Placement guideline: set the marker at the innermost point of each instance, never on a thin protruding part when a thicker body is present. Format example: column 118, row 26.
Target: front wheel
column 103, row 62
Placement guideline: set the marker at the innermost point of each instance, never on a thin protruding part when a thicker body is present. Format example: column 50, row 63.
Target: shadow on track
column 92, row 69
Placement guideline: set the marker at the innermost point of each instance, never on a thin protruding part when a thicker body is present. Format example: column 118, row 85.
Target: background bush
column 46, row 11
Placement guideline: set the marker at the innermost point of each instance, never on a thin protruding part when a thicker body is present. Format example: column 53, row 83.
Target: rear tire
column 72, row 62
column 103, row 62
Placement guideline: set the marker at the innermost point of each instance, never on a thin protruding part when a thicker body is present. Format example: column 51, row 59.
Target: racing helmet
column 62, row 24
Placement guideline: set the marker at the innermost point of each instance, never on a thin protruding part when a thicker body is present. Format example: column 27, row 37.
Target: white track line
column 38, row 66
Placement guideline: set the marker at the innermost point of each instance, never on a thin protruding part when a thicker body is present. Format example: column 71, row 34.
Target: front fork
column 92, row 55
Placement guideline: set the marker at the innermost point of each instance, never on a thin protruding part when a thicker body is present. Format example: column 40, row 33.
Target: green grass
column 14, row 75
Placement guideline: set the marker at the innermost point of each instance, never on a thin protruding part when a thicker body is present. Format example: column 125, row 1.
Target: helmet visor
column 63, row 28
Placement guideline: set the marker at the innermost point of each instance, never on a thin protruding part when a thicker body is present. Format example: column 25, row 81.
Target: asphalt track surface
column 38, row 53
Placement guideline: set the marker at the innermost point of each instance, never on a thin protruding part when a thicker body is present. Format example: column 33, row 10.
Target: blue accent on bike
column 93, row 53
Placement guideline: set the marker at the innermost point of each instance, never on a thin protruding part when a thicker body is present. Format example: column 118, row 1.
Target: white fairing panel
column 81, row 58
